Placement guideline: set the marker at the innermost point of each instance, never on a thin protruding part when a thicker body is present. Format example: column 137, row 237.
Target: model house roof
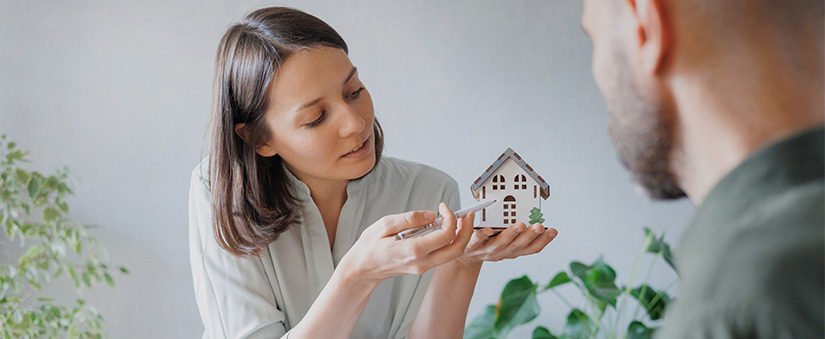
column 510, row 154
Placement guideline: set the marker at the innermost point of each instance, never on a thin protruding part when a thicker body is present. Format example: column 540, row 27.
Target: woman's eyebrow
column 316, row 101
column 351, row 73
column 308, row 104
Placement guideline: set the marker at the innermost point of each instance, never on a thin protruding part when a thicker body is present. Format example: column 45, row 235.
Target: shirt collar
column 352, row 187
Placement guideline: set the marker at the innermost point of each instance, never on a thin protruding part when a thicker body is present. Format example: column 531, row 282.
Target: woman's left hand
column 515, row 241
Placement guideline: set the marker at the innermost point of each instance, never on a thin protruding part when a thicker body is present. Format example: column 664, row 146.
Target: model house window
column 498, row 179
column 521, row 182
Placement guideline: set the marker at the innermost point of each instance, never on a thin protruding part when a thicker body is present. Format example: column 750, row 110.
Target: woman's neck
column 329, row 197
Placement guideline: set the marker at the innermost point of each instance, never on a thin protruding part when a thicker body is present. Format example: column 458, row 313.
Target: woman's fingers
column 541, row 241
column 504, row 238
column 438, row 238
column 477, row 240
column 392, row 224
column 438, row 247
column 457, row 247
column 467, row 223
column 448, row 223
column 457, row 238
column 518, row 246
column 515, row 241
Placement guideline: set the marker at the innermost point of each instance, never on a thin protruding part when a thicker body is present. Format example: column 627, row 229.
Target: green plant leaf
column 50, row 214
column 655, row 303
column 560, row 279
column 543, row 333
column 17, row 317
column 52, row 183
column 73, row 275
column 482, row 325
column 21, row 175
column 4, row 286
column 599, row 280
column 658, row 246
column 124, row 270
column 600, row 265
column 33, row 187
column 518, row 305
column 602, row 286
column 638, row 330
column 109, row 280
column 52, row 313
column 62, row 205
column 579, row 269
column 578, row 325
column 16, row 155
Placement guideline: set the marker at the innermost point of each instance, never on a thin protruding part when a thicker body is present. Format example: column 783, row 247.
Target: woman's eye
column 317, row 121
column 356, row 94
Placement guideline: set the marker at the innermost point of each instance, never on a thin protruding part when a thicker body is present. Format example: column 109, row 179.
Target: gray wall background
column 120, row 92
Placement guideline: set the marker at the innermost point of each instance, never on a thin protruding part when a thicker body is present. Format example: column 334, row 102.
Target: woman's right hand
column 377, row 255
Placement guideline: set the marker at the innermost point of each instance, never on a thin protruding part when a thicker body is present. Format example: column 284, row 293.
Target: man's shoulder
column 763, row 272
column 774, row 250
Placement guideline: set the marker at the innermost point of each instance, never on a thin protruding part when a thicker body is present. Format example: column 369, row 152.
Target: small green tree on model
column 536, row 216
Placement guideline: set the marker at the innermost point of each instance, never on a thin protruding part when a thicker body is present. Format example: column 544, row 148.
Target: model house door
column 509, row 208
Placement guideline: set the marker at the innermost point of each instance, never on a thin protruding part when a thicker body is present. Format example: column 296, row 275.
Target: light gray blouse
column 264, row 297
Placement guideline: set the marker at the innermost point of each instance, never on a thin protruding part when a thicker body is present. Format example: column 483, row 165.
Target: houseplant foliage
column 43, row 244
column 606, row 304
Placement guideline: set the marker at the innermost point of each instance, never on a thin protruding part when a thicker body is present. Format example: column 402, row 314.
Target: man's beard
column 642, row 133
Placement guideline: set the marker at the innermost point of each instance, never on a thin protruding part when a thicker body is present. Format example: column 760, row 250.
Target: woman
column 292, row 216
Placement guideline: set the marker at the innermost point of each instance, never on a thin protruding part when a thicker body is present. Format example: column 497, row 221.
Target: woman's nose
column 352, row 122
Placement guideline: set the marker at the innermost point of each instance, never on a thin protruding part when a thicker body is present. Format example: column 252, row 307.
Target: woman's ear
column 264, row 150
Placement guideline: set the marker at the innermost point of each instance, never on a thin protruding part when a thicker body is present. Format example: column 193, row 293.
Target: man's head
column 640, row 118
column 643, row 50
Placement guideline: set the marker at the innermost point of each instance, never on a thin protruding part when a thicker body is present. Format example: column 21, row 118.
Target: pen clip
column 414, row 231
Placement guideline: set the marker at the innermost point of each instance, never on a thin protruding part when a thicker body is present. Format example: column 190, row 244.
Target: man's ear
column 264, row 150
column 654, row 33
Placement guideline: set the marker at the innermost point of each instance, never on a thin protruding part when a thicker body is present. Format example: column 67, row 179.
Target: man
column 722, row 101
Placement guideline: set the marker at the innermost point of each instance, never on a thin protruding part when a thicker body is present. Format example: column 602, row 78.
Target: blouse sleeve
column 449, row 195
column 234, row 295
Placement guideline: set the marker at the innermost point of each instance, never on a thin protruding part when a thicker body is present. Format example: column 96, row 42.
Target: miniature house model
column 515, row 186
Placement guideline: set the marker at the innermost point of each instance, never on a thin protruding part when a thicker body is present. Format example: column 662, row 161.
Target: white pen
column 437, row 223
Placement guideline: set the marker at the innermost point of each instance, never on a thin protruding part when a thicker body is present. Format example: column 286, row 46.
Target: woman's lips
column 360, row 151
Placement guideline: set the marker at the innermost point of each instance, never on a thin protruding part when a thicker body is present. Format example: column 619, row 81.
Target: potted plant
column 605, row 302
column 42, row 244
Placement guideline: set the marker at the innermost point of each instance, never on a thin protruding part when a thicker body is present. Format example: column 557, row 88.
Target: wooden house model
column 515, row 186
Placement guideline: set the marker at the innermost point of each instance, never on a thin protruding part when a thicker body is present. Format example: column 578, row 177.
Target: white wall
column 120, row 92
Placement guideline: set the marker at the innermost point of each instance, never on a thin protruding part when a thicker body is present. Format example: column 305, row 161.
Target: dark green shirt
column 751, row 263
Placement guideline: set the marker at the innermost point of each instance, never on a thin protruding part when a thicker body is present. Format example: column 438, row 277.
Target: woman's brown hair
column 251, row 199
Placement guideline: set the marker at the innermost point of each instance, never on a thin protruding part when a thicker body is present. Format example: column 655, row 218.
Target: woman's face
column 321, row 117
